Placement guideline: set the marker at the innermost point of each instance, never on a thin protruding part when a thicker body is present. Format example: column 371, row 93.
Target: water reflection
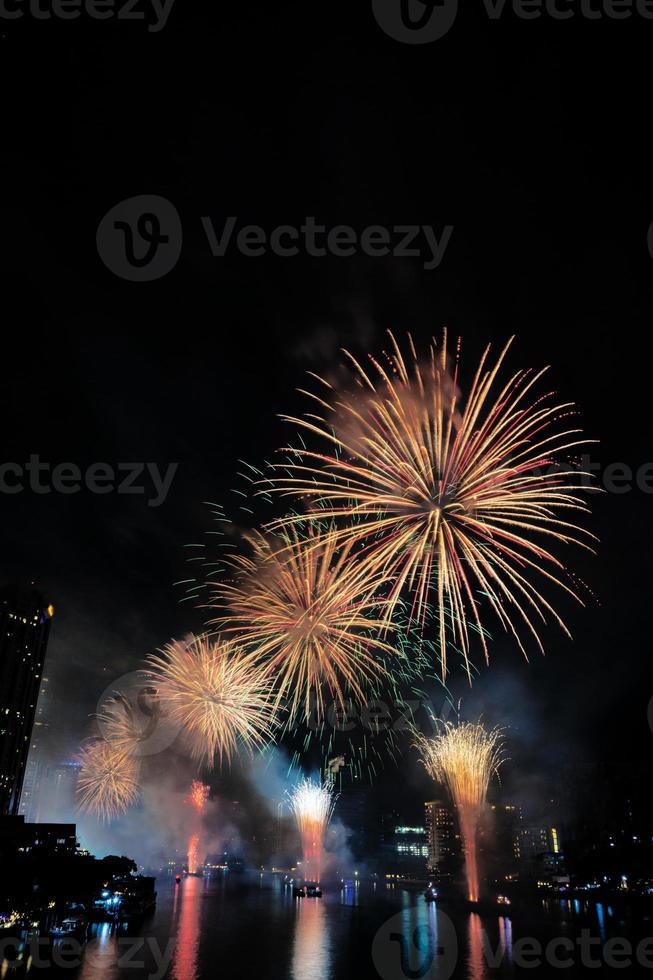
column 475, row 968
column 311, row 955
column 505, row 937
column 100, row 960
column 188, row 900
column 599, row 915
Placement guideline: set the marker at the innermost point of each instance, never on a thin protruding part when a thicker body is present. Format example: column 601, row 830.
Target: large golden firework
column 454, row 497
column 463, row 757
column 216, row 693
column 310, row 613
column 108, row 779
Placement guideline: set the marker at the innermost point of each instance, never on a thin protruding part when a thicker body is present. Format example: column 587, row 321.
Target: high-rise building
column 443, row 838
column 25, row 621
column 499, row 841
column 36, row 769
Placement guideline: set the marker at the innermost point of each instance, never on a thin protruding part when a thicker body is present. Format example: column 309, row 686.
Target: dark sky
column 529, row 137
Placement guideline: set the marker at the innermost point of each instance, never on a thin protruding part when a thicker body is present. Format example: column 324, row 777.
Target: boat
column 73, row 925
column 431, row 894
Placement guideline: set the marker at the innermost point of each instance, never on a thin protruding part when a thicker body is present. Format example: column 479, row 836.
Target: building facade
column 444, row 849
column 25, row 619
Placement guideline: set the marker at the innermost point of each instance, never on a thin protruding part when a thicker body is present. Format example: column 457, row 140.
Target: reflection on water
column 311, row 955
column 475, row 968
column 505, row 937
column 253, row 927
column 186, row 911
column 424, row 944
column 100, row 957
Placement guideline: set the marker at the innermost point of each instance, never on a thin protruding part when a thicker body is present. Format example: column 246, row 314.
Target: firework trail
column 217, row 693
column 197, row 798
column 455, row 498
column 310, row 614
column 463, row 757
column 312, row 806
column 108, row 779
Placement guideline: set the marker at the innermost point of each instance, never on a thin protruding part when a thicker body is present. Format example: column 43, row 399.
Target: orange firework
column 217, row 693
column 310, row 614
column 463, row 757
column 193, row 852
column 454, row 497
column 199, row 794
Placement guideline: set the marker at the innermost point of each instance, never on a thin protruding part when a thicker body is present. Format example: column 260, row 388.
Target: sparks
column 310, row 614
column 455, row 498
column 108, row 779
column 463, row 757
column 199, row 794
column 312, row 806
column 217, row 693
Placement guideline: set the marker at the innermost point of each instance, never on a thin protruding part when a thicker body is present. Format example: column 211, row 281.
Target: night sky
column 530, row 138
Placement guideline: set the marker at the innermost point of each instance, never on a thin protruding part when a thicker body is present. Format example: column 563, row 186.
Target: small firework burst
column 312, row 615
column 216, row 693
column 108, row 780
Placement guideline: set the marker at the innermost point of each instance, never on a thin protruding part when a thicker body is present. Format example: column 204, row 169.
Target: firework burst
column 217, row 693
column 463, row 757
column 312, row 806
column 199, row 794
column 449, row 496
column 108, row 779
column 310, row 613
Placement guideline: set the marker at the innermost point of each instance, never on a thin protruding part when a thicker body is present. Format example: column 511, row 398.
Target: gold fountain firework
column 312, row 806
column 459, row 498
column 217, row 693
column 463, row 757
column 309, row 612
column 108, row 779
